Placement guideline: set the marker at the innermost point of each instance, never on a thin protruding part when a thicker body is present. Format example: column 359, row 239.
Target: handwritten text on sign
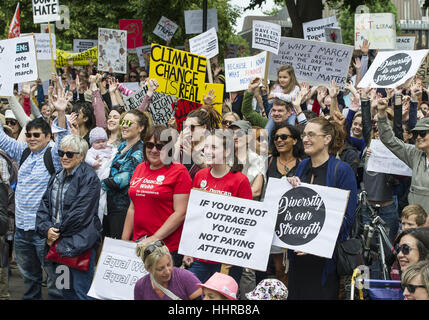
column 46, row 11
column 314, row 62
column 165, row 29
column 378, row 28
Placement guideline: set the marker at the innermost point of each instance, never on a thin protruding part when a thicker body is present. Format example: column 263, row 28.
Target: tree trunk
column 303, row 11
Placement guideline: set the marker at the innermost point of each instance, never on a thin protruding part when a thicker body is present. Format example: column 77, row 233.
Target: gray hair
column 419, row 268
column 76, row 143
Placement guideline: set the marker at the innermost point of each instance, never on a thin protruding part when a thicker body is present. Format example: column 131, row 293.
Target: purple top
column 183, row 283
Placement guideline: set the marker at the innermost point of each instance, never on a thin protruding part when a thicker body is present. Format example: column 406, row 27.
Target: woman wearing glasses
column 68, row 213
column 159, row 192
column 164, row 281
column 415, row 281
column 229, row 118
column 309, row 276
column 133, row 129
column 412, row 245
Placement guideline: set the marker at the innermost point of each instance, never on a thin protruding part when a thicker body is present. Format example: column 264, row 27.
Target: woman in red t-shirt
column 222, row 177
column 159, row 192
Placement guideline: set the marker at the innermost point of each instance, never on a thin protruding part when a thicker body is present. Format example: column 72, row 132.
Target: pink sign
column 134, row 31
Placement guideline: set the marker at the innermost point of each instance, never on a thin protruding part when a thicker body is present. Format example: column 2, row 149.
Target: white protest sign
column 194, row 20
column 378, row 28
column 112, row 50
column 205, row 44
column 315, row 30
column 309, row 217
column 46, row 11
column 118, row 270
column 43, row 46
column 80, row 45
column 135, row 86
column 228, row 230
column 314, row 62
column 239, row 71
column 160, row 106
column 333, row 35
column 266, row 36
column 392, row 68
column 383, row 160
column 140, row 54
column 165, row 29
column 405, row 42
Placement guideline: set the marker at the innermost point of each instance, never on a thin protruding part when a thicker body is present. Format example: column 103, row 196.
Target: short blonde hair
column 418, row 268
column 418, row 211
column 153, row 258
column 76, row 143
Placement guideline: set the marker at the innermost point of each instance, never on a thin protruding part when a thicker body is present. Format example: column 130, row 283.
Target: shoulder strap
column 47, row 159
column 24, row 156
column 165, row 290
column 335, row 173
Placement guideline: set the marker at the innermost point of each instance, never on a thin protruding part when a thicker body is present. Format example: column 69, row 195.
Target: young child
column 219, row 287
column 413, row 216
column 269, row 289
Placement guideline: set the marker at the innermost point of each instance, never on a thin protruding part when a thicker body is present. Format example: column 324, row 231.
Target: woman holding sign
column 313, row 277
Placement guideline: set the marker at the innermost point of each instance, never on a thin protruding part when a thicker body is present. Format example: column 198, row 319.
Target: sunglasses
column 126, row 123
column 133, row 76
column 69, row 154
column 411, row 287
column 404, row 248
column 150, row 145
column 34, row 134
column 149, row 250
column 282, row 136
column 11, row 122
column 226, row 122
column 421, row 133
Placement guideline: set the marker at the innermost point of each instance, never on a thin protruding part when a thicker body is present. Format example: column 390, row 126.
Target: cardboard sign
column 140, row 54
column 134, row 32
column 78, row 59
column 266, row 36
column 423, row 71
column 406, row 42
column 179, row 73
column 333, row 35
column 134, row 86
column 118, row 270
column 309, row 217
column 378, row 28
column 392, row 68
column 219, row 90
column 383, row 160
column 315, row 30
column 194, row 20
column 43, row 46
column 182, row 109
column 239, row 71
column 165, row 29
column 228, row 230
column 112, row 50
column 205, row 44
column 46, row 11
column 80, row 45
column 314, row 62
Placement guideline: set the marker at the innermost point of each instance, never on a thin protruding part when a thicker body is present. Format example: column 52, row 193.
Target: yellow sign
column 179, row 73
column 218, row 89
column 79, row 59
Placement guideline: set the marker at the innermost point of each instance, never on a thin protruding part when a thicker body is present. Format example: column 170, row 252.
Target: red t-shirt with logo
column 233, row 184
column 151, row 192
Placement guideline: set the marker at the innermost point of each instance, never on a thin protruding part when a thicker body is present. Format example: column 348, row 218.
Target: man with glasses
column 33, row 178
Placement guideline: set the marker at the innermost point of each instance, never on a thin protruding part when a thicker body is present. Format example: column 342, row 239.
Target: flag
column 15, row 26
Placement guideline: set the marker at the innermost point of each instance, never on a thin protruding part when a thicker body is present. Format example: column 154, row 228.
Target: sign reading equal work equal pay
column 179, row 73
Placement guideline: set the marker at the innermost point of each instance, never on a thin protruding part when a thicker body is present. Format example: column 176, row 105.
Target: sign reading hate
column 378, row 28
column 179, row 73
column 266, row 36
column 314, row 62
column 46, row 11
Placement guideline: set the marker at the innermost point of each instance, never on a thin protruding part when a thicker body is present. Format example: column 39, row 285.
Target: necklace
column 285, row 167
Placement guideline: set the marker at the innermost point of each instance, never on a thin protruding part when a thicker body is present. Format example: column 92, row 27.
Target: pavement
column 16, row 286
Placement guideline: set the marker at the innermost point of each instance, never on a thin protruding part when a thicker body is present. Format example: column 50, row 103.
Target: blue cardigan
column 345, row 180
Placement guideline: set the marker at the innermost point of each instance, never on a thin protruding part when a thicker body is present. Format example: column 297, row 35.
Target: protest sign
column 406, row 42
column 112, row 50
column 45, row 70
column 78, row 59
column 135, row 86
column 165, row 29
column 228, row 230
column 43, row 46
column 140, row 54
column 423, row 71
column 392, row 68
column 383, row 160
column 333, row 35
column 46, row 11
column 309, row 217
column 179, row 73
column 378, row 28
column 80, row 45
column 218, row 89
column 118, row 270
column 205, row 44
column 239, row 71
column 181, row 110
column 134, row 32
column 315, row 30
column 266, row 36
column 194, row 20
column 314, row 62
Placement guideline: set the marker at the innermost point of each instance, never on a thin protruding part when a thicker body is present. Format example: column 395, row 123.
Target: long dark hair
column 298, row 148
column 421, row 234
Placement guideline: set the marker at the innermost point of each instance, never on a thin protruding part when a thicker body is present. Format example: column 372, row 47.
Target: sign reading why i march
column 266, row 36
column 309, row 217
column 314, row 62
column 46, row 11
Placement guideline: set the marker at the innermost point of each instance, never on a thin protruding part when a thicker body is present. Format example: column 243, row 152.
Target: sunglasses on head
column 152, row 247
column 421, row 133
column 34, row 134
column 69, row 154
column 411, row 287
column 282, row 136
column 126, row 123
column 404, row 248
column 158, row 146
column 11, row 122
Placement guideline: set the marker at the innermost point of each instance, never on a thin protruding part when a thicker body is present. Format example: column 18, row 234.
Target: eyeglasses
column 421, row 133
column 404, row 248
column 282, row 136
column 226, row 122
column 11, row 122
column 311, row 135
column 150, row 145
column 149, row 250
column 133, row 76
column 126, row 123
column 411, row 287
column 69, row 154
column 34, row 134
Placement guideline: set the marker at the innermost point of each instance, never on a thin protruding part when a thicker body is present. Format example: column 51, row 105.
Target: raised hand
column 357, row 64
column 61, row 100
column 254, row 83
column 208, row 100
column 365, row 47
column 73, row 124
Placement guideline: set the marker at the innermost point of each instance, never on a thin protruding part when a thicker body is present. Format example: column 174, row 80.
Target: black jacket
column 4, row 218
column 80, row 227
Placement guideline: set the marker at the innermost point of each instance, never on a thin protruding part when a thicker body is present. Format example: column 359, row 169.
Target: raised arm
column 97, row 102
column 246, row 108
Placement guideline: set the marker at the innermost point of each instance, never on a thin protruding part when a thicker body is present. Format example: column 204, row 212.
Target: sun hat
column 422, row 124
column 222, row 283
column 9, row 115
column 269, row 289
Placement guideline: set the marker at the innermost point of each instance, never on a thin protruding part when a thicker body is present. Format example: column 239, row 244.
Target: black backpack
column 47, row 159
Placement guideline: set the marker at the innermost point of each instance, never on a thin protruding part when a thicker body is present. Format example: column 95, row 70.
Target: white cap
column 9, row 114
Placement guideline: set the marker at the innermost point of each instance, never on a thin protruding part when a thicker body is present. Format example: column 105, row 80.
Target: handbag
column 80, row 262
column 349, row 256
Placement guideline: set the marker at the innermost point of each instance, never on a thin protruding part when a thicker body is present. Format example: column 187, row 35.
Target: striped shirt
column 33, row 177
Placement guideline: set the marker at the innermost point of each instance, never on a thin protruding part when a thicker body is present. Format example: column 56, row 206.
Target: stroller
column 371, row 289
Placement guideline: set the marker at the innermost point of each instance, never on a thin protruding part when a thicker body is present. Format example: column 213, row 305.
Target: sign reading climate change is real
column 179, row 73
column 392, row 68
column 46, row 11
column 309, row 217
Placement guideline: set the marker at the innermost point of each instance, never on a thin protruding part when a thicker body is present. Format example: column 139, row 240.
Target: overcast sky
column 256, row 12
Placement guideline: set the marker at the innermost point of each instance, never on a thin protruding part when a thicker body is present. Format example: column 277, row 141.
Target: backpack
column 47, row 159
column 12, row 167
